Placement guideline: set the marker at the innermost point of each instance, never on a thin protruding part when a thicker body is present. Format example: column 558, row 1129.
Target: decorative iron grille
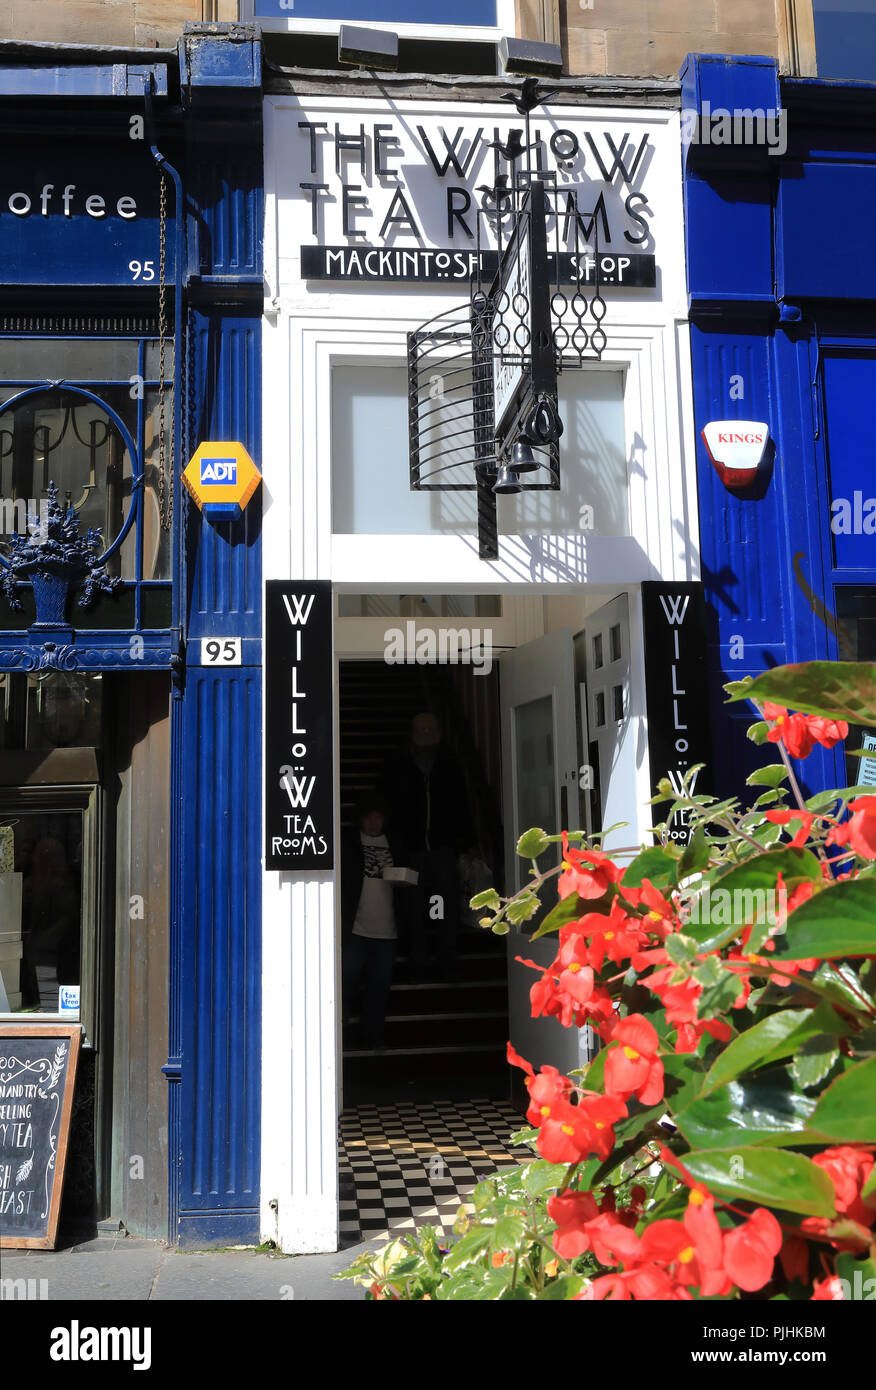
column 482, row 377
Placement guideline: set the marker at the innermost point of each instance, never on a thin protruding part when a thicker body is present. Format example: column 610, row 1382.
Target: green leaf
column 680, row 948
column 527, row 1135
column 837, row 689
column 522, row 908
column 764, row 1109
column 696, row 854
column 566, row 1287
column 846, row 1111
column 488, row 898
column 567, row 910
column 841, row 983
column 508, row 1233
column 862, row 1287
column 655, row 863
column 771, row 776
column 815, row 1060
column 716, row 999
column 735, row 893
column 840, row 921
column 469, row 1247
column 822, row 800
column 541, row 1177
column 532, row 843
column 768, row 799
column 771, row 1039
column 757, row 732
column 771, row 1177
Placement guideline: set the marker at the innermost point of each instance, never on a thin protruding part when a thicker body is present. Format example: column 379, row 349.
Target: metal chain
column 165, row 485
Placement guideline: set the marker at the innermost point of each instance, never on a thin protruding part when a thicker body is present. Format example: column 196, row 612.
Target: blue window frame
column 86, row 415
column 845, row 39
column 468, row 13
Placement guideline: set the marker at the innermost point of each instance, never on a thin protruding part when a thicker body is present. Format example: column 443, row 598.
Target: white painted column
column 299, row 1178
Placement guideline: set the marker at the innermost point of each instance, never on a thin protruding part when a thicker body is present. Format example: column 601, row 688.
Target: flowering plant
column 722, row 1141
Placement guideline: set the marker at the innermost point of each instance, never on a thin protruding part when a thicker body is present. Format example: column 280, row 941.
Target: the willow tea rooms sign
column 391, row 191
column 298, row 725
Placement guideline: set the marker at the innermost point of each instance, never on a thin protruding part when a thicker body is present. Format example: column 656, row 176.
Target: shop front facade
column 130, row 225
column 555, row 664
column 784, row 357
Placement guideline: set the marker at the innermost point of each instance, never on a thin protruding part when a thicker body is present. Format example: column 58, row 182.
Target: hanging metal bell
column 523, row 460
column 507, row 480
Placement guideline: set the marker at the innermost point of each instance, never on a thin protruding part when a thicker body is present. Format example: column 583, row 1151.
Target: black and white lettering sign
column 676, row 690
column 431, row 266
column 298, row 725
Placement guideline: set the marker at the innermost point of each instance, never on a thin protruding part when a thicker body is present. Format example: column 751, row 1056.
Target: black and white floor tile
column 403, row 1166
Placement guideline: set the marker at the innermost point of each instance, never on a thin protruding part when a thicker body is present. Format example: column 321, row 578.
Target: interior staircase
column 442, row 1038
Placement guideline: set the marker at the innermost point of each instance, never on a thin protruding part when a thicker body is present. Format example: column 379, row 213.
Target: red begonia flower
column 848, row 1169
column 862, row 826
column 784, row 817
column 632, row 1066
column 589, row 873
column 792, row 729
column 581, row 1227
column 750, row 1250
column 827, row 732
column 828, row 1290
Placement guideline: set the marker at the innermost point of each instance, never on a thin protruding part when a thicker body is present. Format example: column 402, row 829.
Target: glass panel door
column 41, row 911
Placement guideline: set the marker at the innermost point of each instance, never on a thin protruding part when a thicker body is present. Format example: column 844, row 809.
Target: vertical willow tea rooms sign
column 298, row 725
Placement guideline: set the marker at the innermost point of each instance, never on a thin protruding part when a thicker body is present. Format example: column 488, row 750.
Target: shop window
column 50, row 709
column 50, row 727
column 465, row 13
column 845, row 39
column 84, row 416
column 48, row 896
column 371, row 492
column 419, row 606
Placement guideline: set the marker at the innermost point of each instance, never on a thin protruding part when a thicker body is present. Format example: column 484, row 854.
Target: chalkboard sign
column 37, row 1073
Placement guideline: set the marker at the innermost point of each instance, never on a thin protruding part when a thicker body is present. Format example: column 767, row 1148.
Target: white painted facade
column 554, row 580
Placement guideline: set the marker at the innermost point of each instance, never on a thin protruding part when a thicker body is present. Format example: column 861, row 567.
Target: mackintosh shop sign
column 676, row 691
column 298, row 725
column 393, row 193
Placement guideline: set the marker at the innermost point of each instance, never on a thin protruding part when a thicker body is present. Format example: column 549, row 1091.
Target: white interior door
column 612, row 720
column 540, row 788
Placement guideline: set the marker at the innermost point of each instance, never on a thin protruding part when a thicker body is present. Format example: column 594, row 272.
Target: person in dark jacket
column 425, row 790
column 368, row 916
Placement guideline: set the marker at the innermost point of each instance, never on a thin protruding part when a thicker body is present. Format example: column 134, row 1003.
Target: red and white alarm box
column 736, row 448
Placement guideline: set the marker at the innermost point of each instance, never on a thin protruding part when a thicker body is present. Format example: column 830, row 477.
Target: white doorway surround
column 314, row 332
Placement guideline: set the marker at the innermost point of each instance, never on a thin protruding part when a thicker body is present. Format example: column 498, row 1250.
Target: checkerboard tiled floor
column 402, row 1166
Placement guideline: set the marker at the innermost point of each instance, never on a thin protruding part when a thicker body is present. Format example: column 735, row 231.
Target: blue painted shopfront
column 782, row 286
column 122, row 177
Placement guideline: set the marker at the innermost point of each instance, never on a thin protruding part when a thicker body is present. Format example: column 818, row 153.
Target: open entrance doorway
column 550, row 734
column 441, row 1032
